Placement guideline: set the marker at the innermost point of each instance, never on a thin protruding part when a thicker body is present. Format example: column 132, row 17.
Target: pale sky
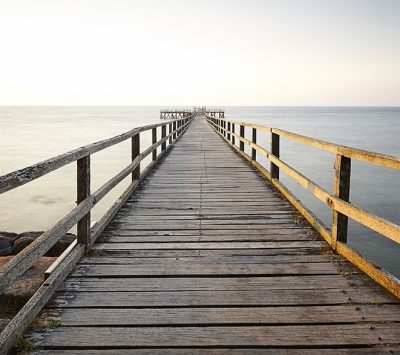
column 207, row 52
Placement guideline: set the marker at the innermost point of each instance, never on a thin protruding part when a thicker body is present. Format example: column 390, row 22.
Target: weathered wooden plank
column 205, row 245
column 219, row 219
column 196, row 298
column 249, row 283
column 233, row 315
column 289, row 336
column 242, row 259
column 211, row 253
column 376, row 349
column 206, row 238
column 111, row 232
column 180, row 268
column 196, row 226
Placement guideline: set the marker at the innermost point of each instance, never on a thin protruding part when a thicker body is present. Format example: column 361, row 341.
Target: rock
column 6, row 246
column 24, row 239
column 21, row 243
column 9, row 235
column 32, row 235
column 61, row 245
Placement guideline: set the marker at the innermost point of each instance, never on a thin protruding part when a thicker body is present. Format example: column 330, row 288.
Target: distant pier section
column 182, row 113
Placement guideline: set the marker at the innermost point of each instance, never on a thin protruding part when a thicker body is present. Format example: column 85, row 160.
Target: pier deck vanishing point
column 207, row 255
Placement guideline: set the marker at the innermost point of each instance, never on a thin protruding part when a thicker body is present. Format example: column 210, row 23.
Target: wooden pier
column 206, row 255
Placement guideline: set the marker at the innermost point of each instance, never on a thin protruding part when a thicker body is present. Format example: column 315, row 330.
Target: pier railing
column 80, row 215
column 338, row 201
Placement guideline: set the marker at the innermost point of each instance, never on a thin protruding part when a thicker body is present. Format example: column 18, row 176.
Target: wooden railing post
column 229, row 130
column 224, row 128
column 135, row 153
column 341, row 190
column 163, row 135
column 174, row 128
column 233, row 131
column 154, row 140
column 274, row 170
column 241, row 144
column 83, row 192
column 169, row 132
column 254, row 140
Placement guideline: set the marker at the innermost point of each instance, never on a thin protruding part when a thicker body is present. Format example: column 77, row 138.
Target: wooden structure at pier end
column 181, row 113
column 208, row 252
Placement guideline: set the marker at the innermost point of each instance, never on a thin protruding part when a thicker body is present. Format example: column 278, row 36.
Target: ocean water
column 31, row 134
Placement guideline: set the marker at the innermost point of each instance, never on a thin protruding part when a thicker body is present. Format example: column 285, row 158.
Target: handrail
column 20, row 177
column 338, row 201
column 387, row 161
column 80, row 215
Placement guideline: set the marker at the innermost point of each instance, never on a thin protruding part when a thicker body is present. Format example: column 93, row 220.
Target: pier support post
column 241, row 144
column 135, row 153
column 83, row 192
column 174, row 128
column 163, row 135
column 154, row 140
column 274, row 170
column 254, row 140
column 341, row 190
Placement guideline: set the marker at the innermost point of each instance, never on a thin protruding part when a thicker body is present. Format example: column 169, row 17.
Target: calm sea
column 32, row 134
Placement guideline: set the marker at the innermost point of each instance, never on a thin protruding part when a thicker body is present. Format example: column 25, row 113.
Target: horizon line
column 167, row 106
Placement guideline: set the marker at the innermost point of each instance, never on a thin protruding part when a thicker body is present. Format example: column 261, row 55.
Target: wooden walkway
column 206, row 254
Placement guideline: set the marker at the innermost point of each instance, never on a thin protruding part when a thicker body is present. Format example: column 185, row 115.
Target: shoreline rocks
column 13, row 243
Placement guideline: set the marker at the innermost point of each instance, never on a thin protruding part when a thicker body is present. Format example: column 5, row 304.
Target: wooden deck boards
column 207, row 255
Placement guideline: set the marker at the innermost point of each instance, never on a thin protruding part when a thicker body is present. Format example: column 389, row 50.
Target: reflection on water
column 47, row 200
column 29, row 135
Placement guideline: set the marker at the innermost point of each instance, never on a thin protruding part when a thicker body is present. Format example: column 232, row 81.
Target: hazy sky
column 219, row 52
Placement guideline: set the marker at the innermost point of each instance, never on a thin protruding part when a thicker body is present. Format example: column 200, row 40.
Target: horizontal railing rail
column 80, row 215
column 342, row 209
